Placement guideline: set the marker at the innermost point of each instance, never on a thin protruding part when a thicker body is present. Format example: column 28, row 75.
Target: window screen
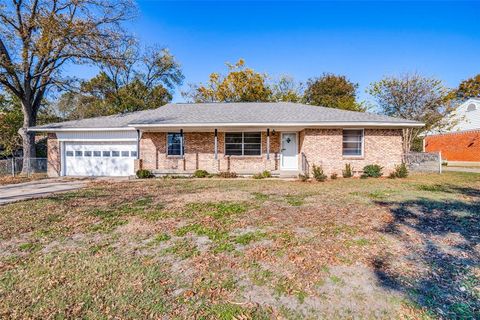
column 243, row 143
column 175, row 144
column 353, row 142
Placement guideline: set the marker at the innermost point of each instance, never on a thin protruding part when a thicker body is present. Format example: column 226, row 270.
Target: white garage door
column 100, row 158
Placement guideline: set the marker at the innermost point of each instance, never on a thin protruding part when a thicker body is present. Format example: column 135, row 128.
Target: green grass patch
column 260, row 196
column 200, row 230
column 248, row 237
column 29, row 247
column 162, row 237
column 295, row 200
column 432, row 187
column 184, row 249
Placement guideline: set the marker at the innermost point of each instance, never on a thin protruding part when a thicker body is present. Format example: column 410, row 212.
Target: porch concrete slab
column 37, row 189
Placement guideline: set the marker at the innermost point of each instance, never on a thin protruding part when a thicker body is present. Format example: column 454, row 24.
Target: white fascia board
column 79, row 129
column 304, row 125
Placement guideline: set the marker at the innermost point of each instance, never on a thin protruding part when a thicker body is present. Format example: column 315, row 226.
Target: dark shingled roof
column 223, row 113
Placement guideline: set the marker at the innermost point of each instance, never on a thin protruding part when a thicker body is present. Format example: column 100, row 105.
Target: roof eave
column 34, row 129
column 280, row 124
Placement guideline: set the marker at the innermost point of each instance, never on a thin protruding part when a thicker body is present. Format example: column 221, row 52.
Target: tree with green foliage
column 332, row 91
column 285, row 89
column 469, row 88
column 39, row 37
column 11, row 120
column 413, row 97
column 241, row 84
column 143, row 81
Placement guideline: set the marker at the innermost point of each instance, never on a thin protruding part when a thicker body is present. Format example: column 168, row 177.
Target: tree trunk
column 28, row 138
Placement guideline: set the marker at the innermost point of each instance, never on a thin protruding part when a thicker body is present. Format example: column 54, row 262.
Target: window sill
column 353, row 158
column 244, row 157
column 175, row 157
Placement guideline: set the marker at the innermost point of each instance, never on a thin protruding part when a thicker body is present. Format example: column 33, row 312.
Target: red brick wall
column 461, row 146
column 53, row 155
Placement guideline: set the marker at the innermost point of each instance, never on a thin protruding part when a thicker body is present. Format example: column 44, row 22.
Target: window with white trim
column 243, row 143
column 353, row 142
column 174, row 144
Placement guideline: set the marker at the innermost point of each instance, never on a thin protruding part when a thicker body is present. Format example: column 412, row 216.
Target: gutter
column 34, row 129
column 134, row 126
column 298, row 124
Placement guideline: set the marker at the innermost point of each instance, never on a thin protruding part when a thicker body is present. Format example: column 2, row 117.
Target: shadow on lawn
column 440, row 276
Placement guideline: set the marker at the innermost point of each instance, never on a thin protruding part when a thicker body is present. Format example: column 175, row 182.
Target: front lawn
column 246, row 249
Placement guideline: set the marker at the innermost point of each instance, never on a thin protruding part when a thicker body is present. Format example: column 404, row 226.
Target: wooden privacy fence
column 424, row 161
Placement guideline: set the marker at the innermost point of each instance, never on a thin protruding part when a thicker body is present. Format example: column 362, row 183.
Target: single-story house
column 461, row 144
column 246, row 138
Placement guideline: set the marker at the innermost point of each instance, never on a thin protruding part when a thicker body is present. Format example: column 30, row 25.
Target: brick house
column 461, row 144
column 245, row 138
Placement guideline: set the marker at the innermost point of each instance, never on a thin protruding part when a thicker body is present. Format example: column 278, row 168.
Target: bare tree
column 39, row 37
column 413, row 97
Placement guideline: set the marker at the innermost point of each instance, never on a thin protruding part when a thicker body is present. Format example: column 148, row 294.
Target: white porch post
column 216, row 144
column 268, row 144
column 181, row 142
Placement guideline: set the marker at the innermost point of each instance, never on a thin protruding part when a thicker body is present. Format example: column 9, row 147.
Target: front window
column 243, row 144
column 353, row 142
column 174, row 144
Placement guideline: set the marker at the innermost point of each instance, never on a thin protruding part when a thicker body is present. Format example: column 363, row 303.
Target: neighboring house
column 460, row 145
column 245, row 138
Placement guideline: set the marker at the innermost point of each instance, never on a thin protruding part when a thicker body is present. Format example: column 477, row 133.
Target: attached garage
column 99, row 153
column 100, row 158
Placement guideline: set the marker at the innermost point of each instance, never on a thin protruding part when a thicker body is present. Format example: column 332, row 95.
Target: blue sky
column 362, row 40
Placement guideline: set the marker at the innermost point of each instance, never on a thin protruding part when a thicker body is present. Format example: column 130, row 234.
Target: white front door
column 289, row 155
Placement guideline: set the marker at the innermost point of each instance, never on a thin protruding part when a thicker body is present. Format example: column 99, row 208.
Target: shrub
column 333, row 176
column 201, row 174
column 392, row 175
column 258, row 176
column 372, row 170
column 401, row 171
column 144, row 174
column 348, row 172
column 266, row 174
column 318, row 173
column 303, row 177
column 227, row 174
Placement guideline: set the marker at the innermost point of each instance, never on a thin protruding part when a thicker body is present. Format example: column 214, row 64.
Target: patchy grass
column 4, row 180
column 246, row 249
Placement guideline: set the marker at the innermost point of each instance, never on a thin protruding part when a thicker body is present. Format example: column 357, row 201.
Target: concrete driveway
column 37, row 189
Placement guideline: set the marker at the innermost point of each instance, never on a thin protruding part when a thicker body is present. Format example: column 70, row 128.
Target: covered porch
column 243, row 150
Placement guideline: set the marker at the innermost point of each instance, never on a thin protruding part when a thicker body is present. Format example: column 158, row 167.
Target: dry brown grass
column 227, row 249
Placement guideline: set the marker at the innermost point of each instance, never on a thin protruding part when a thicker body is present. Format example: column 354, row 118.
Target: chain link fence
column 14, row 166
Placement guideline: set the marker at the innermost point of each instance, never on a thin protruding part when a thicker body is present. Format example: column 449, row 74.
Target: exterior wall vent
column 471, row 107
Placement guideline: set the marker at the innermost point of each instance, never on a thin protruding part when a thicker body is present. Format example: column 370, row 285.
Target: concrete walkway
column 461, row 169
column 37, row 189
